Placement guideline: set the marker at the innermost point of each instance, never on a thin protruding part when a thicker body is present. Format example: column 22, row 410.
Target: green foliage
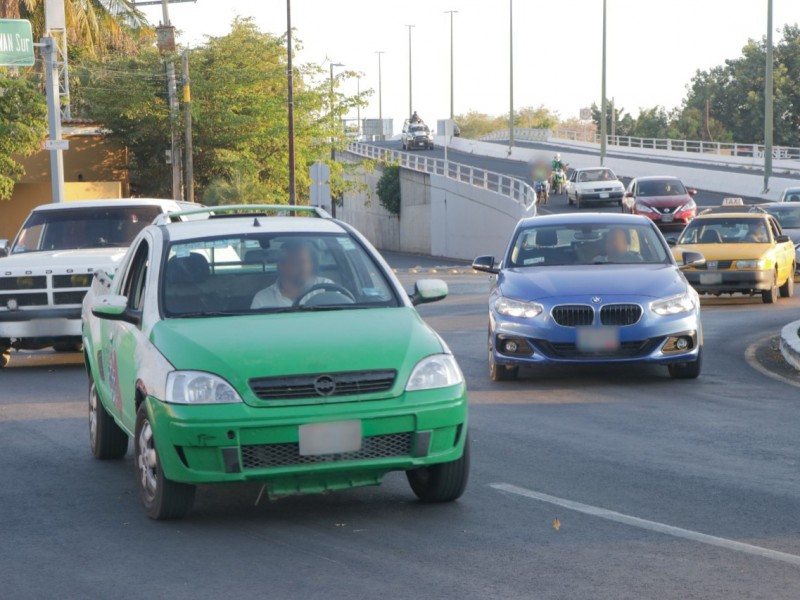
column 476, row 124
column 388, row 189
column 23, row 114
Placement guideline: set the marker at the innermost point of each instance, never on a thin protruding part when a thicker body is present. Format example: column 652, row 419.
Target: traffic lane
column 522, row 170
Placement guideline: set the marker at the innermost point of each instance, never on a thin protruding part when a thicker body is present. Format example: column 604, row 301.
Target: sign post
column 16, row 43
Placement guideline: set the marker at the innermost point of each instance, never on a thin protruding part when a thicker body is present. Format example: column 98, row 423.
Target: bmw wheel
column 108, row 441
column 162, row 497
column 500, row 372
column 688, row 370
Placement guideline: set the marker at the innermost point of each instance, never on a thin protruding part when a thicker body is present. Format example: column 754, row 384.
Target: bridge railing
column 722, row 149
column 505, row 185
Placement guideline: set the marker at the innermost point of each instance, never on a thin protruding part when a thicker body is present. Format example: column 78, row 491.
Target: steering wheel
column 333, row 287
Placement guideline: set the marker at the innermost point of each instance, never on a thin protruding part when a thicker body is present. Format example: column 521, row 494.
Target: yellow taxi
column 745, row 252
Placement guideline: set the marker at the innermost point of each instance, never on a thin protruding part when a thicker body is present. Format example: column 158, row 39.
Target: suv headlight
column 197, row 387
column 517, row 308
column 756, row 263
column 435, row 371
column 674, row 305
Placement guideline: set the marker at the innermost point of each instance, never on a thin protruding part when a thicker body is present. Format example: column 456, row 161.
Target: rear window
column 74, row 228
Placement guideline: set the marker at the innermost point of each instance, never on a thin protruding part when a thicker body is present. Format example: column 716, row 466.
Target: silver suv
column 417, row 135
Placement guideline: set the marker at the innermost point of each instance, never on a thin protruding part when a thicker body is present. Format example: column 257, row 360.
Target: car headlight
column 517, row 308
column 643, row 208
column 756, row 263
column 435, row 371
column 690, row 205
column 197, row 387
column 674, row 305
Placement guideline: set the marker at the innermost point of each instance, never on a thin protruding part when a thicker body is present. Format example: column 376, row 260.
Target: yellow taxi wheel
column 770, row 296
column 787, row 289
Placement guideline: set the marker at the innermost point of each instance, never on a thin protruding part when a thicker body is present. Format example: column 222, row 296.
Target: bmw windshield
column 268, row 273
column 586, row 244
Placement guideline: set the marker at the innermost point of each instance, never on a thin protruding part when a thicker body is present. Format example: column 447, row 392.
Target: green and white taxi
column 269, row 344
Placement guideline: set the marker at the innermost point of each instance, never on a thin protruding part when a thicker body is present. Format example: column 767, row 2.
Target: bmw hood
column 539, row 283
column 239, row 348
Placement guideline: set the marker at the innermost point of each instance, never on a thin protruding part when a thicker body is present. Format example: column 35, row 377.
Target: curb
column 790, row 344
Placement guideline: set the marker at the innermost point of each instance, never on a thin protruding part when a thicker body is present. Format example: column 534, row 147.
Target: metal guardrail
column 514, row 188
column 722, row 149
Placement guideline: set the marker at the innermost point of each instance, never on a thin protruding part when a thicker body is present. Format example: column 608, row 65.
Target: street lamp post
column 603, row 95
column 511, row 75
column 380, row 92
column 290, row 103
column 410, row 95
column 451, row 13
column 768, row 94
column 333, row 132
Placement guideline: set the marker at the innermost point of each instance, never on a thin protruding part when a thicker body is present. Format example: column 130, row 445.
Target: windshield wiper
column 204, row 313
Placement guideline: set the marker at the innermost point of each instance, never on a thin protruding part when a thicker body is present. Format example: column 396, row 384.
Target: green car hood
column 242, row 347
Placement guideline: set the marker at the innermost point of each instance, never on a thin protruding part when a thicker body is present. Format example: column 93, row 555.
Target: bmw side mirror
column 428, row 290
column 782, row 239
column 693, row 259
column 115, row 308
column 485, row 264
column 3, row 248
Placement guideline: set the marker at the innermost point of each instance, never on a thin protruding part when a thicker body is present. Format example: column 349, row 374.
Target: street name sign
column 16, row 43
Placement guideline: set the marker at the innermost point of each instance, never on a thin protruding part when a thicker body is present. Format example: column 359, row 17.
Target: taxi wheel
column 444, row 482
column 108, row 441
column 690, row 370
column 162, row 498
column 787, row 289
column 770, row 296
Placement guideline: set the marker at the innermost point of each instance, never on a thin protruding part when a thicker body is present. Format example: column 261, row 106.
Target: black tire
column 500, row 372
column 570, row 201
column 689, row 370
column 787, row 289
column 578, row 201
column 162, row 498
column 770, row 296
column 107, row 439
column 444, row 482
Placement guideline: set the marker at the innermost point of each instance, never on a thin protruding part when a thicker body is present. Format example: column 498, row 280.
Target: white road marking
column 679, row 532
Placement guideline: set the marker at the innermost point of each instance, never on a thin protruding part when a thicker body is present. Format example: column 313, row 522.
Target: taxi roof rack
column 242, row 210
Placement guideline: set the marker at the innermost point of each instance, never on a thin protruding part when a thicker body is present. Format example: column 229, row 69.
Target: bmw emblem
column 324, row 385
column 596, row 299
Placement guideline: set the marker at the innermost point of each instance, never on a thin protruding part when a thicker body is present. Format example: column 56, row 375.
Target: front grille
column 297, row 387
column 573, row 315
column 69, row 297
column 280, row 455
column 620, row 315
column 72, row 281
column 721, row 265
column 35, row 299
column 571, row 351
column 23, row 282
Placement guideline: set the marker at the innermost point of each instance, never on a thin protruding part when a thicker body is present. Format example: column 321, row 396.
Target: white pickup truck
column 46, row 272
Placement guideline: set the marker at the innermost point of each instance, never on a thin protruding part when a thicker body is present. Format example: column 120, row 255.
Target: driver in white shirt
column 296, row 268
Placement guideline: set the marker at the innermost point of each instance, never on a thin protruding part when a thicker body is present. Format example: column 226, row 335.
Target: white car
column 594, row 184
column 790, row 194
column 46, row 272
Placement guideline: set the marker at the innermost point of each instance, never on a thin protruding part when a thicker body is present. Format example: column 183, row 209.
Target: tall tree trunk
column 9, row 9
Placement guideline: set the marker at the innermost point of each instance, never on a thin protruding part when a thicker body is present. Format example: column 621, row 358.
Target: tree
column 23, row 126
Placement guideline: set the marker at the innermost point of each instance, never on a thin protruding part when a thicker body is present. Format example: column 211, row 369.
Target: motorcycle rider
column 557, row 163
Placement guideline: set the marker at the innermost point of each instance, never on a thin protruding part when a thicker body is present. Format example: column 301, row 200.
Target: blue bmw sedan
column 591, row 288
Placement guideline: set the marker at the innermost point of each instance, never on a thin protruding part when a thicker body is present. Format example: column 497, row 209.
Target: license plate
column 710, row 278
column 604, row 195
column 597, row 339
column 330, row 438
column 668, row 218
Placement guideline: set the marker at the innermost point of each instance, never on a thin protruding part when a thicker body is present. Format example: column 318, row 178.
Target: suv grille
column 278, row 455
column 323, row 385
column 573, row 315
column 620, row 314
column 25, row 282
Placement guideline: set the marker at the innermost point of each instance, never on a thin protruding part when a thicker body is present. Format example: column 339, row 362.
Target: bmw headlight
column 197, row 387
column 517, row 308
column 675, row 305
column 756, row 263
column 435, row 371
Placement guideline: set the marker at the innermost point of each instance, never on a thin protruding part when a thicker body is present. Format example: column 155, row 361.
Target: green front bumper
column 226, row 443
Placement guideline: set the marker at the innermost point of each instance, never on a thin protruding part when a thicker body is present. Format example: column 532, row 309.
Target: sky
column 654, row 47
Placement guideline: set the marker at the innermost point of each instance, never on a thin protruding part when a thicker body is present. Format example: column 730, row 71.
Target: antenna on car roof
column 256, row 222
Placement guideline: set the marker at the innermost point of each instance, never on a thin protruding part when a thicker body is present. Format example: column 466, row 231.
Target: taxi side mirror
column 115, row 308
column 428, row 290
column 782, row 239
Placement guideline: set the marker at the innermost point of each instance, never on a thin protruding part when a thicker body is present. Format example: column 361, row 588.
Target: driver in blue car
column 617, row 249
column 296, row 274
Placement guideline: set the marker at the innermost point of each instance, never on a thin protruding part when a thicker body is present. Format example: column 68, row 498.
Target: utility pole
column 290, row 96
column 451, row 12
column 511, row 75
column 410, row 96
column 358, row 106
column 603, row 113
column 333, row 133
column 768, row 93
column 187, row 115
column 613, row 120
column 167, row 44
column 380, row 92
column 54, row 117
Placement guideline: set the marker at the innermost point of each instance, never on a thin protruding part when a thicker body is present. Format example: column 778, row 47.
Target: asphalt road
column 657, row 466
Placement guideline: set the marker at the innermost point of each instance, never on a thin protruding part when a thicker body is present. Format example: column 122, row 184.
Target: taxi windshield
column 726, row 230
column 251, row 273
